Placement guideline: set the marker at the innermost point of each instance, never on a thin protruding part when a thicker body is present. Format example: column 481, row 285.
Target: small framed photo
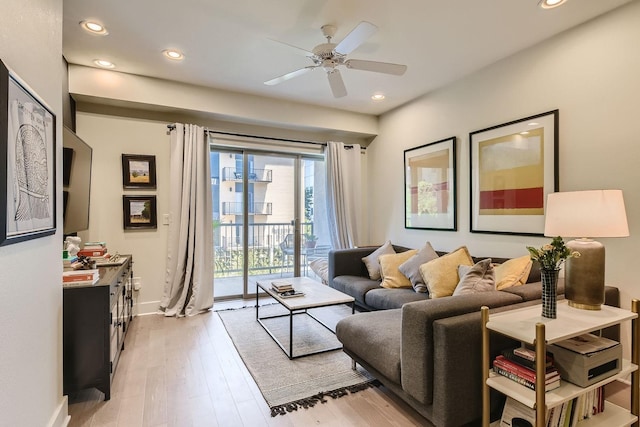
column 27, row 162
column 514, row 166
column 430, row 186
column 138, row 171
column 139, row 212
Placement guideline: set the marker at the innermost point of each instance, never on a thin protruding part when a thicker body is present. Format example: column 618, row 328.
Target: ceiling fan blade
column 296, row 49
column 290, row 75
column 356, row 37
column 378, row 67
column 336, row 83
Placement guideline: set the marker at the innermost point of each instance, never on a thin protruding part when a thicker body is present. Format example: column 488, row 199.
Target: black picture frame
column 139, row 212
column 138, row 171
column 513, row 167
column 430, row 186
column 27, row 162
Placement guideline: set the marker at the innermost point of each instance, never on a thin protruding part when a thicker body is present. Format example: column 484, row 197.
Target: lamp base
column 584, row 276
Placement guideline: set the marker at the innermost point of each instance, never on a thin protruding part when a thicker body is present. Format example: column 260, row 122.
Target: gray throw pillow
column 411, row 267
column 371, row 260
column 477, row 278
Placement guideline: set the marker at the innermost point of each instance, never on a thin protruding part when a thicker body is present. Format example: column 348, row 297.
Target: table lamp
column 585, row 215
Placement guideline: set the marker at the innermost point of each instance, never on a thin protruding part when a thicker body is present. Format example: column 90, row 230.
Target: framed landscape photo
column 139, row 212
column 430, row 186
column 27, row 162
column 514, row 166
column 138, row 171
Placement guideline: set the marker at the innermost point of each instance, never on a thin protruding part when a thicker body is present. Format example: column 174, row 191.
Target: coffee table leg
column 290, row 334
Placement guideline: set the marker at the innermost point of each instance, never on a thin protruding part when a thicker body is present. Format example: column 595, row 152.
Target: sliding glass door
column 265, row 207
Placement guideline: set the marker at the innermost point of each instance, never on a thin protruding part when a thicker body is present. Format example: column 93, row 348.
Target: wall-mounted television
column 76, row 185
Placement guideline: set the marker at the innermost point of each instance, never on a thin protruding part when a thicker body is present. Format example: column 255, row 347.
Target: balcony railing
column 257, row 208
column 265, row 248
column 255, row 175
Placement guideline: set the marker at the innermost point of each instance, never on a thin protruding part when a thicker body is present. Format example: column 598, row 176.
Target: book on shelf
column 513, row 355
column 80, row 277
column 528, row 373
column 554, row 384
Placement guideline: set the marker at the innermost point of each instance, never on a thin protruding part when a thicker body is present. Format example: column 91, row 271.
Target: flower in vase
column 552, row 255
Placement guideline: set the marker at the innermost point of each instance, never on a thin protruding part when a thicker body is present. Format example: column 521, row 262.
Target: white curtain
column 343, row 193
column 188, row 288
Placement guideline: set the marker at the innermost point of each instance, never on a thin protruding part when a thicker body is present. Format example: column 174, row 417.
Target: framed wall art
column 513, row 168
column 430, row 186
column 27, row 162
column 138, row 171
column 139, row 212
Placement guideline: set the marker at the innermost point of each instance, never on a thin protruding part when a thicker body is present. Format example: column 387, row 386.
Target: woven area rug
column 303, row 382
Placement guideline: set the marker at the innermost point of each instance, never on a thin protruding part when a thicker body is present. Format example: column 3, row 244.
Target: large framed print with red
column 513, row 167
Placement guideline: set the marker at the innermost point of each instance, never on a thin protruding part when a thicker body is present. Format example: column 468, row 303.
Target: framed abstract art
column 513, row 167
column 430, row 186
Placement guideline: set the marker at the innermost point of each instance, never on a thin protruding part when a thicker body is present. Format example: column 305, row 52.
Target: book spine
column 524, row 371
column 514, row 377
column 92, row 252
column 78, row 278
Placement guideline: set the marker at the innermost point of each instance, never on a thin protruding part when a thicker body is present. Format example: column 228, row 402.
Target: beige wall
column 30, row 285
column 590, row 74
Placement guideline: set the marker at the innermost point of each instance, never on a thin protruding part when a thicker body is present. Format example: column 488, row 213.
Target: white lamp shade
column 593, row 213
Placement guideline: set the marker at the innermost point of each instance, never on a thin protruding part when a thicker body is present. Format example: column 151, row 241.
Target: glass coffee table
column 316, row 295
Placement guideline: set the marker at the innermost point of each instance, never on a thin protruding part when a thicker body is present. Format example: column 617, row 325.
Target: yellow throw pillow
column 441, row 274
column 391, row 276
column 514, row 272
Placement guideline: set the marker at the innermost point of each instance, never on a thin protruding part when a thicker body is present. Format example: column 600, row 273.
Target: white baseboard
column 144, row 308
column 60, row 417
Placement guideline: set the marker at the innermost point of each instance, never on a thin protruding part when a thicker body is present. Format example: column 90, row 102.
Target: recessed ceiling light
column 533, row 124
column 524, row 133
column 377, row 97
column 550, row 4
column 94, row 27
column 173, row 54
column 104, row 63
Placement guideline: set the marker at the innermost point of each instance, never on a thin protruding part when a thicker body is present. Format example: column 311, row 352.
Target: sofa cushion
column 411, row 267
column 441, row 274
column 513, row 272
column 371, row 260
column 478, row 278
column 375, row 337
column 385, row 299
column 532, row 291
column 391, row 276
column 356, row 286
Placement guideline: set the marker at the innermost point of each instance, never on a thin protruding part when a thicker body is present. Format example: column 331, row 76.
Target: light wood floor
column 186, row 372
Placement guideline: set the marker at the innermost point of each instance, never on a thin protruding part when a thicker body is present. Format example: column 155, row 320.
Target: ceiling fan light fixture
column 377, row 96
column 550, row 4
column 173, row 54
column 94, row 27
column 103, row 63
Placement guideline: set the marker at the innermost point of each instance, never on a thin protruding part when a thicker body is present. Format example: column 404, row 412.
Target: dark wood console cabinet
column 94, row 323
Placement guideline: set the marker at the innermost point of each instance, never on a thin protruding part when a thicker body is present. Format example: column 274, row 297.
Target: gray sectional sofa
column 427, row 351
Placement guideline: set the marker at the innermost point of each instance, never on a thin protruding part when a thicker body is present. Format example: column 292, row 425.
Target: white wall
column 30, row 285
column 110, row 137
column 590, row 74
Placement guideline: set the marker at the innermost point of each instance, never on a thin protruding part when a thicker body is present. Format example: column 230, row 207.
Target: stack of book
column 518, row 364
column 285, row 290
column 80, row 277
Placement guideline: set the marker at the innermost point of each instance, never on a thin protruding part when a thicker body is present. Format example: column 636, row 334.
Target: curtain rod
column 172, row 127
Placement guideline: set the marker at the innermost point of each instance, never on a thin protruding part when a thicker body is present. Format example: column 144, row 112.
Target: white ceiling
column 228, row 44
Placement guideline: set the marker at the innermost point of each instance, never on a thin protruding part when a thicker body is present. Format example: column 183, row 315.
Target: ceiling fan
column 330, row 56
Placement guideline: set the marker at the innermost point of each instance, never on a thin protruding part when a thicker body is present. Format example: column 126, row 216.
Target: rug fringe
column 310, row 402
